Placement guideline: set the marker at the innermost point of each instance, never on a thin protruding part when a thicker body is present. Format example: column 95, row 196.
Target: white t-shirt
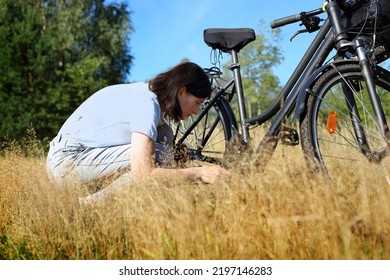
column 108, row 117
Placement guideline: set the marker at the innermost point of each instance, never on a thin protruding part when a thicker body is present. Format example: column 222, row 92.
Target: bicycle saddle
column 227, row 39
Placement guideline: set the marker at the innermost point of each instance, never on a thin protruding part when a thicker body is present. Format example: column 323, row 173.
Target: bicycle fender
column 309, row 83
column 230, row 115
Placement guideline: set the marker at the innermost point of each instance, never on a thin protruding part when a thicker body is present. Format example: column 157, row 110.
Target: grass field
column 283, row 212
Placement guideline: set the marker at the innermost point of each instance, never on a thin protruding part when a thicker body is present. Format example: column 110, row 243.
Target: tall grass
column 283, row 212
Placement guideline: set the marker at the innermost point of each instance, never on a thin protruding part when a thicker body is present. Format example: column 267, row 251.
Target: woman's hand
column 209, row 173
column 142, row 151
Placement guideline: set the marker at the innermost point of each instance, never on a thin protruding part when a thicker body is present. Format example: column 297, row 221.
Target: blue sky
column 166, row 31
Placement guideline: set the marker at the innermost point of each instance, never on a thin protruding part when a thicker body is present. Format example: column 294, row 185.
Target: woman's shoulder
column 136, row 86
column 137, row 90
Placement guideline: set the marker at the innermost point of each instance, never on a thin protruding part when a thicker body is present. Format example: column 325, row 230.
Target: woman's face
column 189, row 103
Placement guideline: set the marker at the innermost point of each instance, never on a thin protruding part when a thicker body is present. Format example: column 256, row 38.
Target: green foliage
column 9, row 250
column 54, row 54
column 257, row 60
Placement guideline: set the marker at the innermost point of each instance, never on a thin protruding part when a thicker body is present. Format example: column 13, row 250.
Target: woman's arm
column 142, row 163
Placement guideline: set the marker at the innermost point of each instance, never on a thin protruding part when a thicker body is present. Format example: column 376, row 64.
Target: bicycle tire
column 338, row 153
column 208, row 141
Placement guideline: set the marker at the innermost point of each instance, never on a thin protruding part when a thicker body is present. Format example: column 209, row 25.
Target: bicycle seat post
column 235, row 67
column 232, row 40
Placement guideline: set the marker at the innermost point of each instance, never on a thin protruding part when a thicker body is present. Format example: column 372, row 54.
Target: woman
column 118, row 128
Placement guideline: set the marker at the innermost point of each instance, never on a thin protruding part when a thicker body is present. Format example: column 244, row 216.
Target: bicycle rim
column 333, row 138
column 208, row 141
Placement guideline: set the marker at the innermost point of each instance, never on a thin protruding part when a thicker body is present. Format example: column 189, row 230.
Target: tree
column 54, row 54
column 257, row 60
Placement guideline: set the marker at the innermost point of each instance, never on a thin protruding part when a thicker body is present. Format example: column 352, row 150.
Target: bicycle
column 338, row 93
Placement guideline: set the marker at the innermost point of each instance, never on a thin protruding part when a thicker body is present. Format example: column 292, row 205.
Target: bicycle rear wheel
column 208, row 140
column 328, row 132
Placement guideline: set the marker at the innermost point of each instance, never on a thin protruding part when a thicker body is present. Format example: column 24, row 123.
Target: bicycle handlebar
column 285, row 20
column 294, row 18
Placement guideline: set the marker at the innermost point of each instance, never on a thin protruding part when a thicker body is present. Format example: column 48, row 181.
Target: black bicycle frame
column 314, row 57
column 329, row 37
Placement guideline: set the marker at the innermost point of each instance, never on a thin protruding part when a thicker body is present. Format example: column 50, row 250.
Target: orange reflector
column 331, row 125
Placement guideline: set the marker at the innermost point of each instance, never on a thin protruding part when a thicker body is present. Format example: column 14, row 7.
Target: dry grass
column 281, row 213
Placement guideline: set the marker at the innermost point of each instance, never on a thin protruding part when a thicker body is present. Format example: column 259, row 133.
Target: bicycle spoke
column 355, row 145
column 206, row 142
column 374, row 136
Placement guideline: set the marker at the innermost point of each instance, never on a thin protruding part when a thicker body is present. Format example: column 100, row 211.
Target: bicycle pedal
column 289, row 136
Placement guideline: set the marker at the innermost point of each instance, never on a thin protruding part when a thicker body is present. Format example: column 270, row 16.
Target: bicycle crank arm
column 265, row 150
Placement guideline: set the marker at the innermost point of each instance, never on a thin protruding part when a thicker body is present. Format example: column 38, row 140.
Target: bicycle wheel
column 337, row 108
column 208, row 140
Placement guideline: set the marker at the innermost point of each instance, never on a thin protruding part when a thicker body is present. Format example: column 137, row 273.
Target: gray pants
column 68, row 161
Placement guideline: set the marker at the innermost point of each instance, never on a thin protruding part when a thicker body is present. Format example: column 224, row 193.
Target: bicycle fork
column 368, row 75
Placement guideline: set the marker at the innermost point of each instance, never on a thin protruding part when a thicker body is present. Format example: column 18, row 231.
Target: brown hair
column 166, row 86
